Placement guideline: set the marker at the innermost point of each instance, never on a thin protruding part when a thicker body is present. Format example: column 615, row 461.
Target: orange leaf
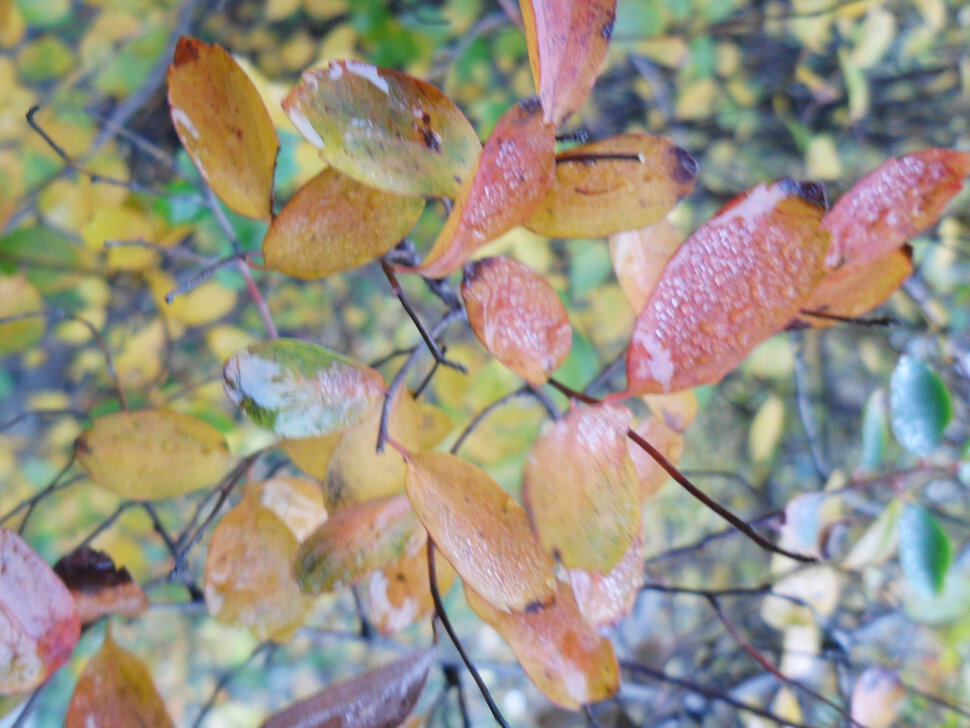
column 99, row 588
column 621, row 183
column 514, row 171
column 247, row 572
column 857, row 288
column 738, row 279
column 640, row 255
column 224, row 126
column 669, row 442
column 567, row 41
column 353, row 542
column 116, row 690
column 481, row 530
column 605, row 599
column 580, row 488
column 39, row 624
column 384, row 128
column 334, row 223
column 560, row 652
column 893, row 203
column 517, row 316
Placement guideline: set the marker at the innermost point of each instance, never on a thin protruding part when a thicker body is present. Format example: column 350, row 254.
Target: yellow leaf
column 18, row 296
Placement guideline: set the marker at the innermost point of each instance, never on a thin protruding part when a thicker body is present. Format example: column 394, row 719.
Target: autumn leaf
column 621, row 183
column 605, row 599
column 517, row 316
column 152, row 454
column 334, row 223
column 676, row 410
column 514, row 171
column 380, row 698
column 39, row 624
column 640, row 255
column 298, row 389
column 116, row 690
column 224, row 126
column 298, row 502
column 580, row 488
column 312, row 454
column 670, row 444
column 567, row 42
column 481, row 530
column 560, row 652
column 738, row 279
column 98, row 587
column 384, row 128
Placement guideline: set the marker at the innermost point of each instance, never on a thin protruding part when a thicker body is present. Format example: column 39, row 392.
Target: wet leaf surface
column 640, row 255
column 621, row 183
column 298, row 389
column 560, row 652
column 517, row 316
column 605, row 599
column 567, row 42
column 98, row 587
column 334, row 223
column 384, row 128
column 919, row 405
column 39, row 624
column 380, row 698
column 481, row 530
column 738, row 279
column 152, row 454
column 224, row 126
column 514, row 171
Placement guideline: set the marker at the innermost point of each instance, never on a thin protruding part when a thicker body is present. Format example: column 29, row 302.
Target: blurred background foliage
column 815, row 89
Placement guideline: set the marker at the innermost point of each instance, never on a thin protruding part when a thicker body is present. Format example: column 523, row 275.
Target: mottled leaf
column 919, row 406
column 298, row 503
column 247, row 572
column 224, row 126
column 561, row 653
column 517, row 316
column 481, row 530
column 924, row 550
column 116, row 690
column 567, row 42
column 334, row 223
column 605, row 599
column 380, row 698
column 893, row 203
column 876, row 697
column 514, row 171
column 99, row 587
column 738, row 279
column 621, row 183
column 152, row 454
column 384, row 128
column 299, row 389
column 670, row 443
column 353, row 542
column 39, row 624
column 580, row 488
column 640, row 255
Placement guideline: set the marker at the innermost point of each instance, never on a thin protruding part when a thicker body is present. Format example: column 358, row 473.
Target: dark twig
column 227, row 677
column 477, row 420
column 202, row 276
column 871, row 321
column 40, row 413
column 440, row 613
column 952, row 707
column 453, row 680
column 105, row 524
column 805, row 411
column 603, row 157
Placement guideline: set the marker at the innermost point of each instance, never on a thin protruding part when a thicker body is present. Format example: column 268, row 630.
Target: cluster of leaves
column 549, row 574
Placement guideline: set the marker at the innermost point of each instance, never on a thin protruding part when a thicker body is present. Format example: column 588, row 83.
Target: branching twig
column 227, row 676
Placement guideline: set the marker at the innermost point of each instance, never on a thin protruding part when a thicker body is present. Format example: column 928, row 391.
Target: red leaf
column 567, row 41
column 99, row 587
column 380, row 698
column 737, row 280
column 517, row 316
column 39, row 624
column 514, row 171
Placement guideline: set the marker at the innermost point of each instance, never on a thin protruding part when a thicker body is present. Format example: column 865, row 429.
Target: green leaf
column 924, row 550
column 298, row 389
column 919, row 404
column 875, row 431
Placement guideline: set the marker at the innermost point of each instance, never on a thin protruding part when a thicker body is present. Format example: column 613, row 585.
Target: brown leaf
column 605, row 599
column 517, row 316
column 380, row 698
column 99, row 587
column 353, row 542
column 668, row 441
column 334, row 223
column 567, row 42
column 39, row 624
column 247, row 572
column 580, row 488
column 738, row 279
column 560, row 652
column 116, row 690
column 639, row 256
column 514, row 171
column 224, row 126
column 621, row 183
column 481, row 530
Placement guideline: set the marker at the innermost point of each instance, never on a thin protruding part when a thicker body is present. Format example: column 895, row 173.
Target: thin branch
column 227, row 677
column 805, row 411
column 40, row 413
column 477, row 420
column 200, row 277
column 600, row 157
column 105, row 524
column 952, row 707
column 871, row 321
